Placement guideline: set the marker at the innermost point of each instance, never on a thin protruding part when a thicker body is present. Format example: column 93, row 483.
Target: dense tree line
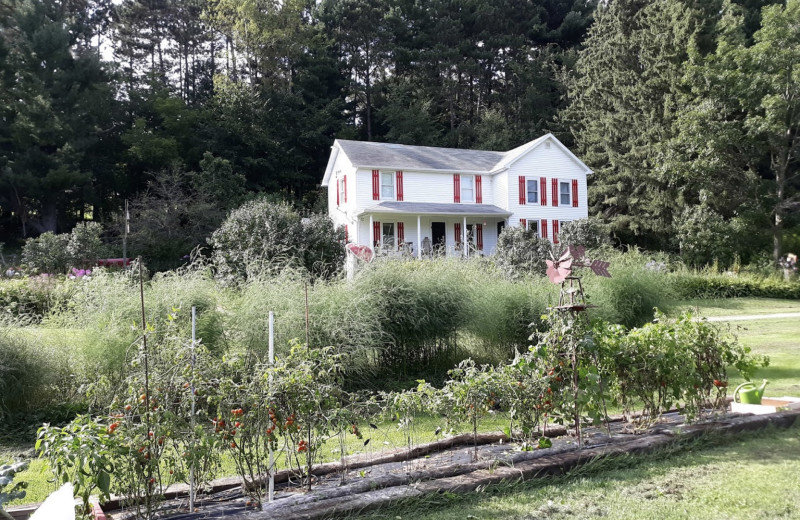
column 684, row 108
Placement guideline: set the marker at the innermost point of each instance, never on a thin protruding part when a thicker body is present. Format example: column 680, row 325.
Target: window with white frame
column 388, row 234
column 565, row 195
column 342, row 196
column 533, row 225
column 467, row 188
column 532, row 191
column 387, row 185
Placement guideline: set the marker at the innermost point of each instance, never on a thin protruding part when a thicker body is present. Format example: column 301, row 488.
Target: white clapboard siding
column 549, row 163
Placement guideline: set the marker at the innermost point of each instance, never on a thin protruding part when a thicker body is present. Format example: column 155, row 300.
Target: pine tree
column 57, row 98
column 623, row 98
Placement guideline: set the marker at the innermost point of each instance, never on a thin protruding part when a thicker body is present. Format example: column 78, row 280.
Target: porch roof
column 432, row 208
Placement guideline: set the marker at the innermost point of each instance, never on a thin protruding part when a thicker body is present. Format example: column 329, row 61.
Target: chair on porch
column 427, row 248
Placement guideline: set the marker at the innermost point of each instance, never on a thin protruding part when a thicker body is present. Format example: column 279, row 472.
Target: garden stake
column 271, row 489
column 147, row 415
column 191, row 467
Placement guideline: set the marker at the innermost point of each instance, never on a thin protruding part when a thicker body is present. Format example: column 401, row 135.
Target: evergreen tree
column 623, row 98
column 57, row 98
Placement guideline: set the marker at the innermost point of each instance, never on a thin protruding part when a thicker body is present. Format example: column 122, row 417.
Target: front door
column 438, row 235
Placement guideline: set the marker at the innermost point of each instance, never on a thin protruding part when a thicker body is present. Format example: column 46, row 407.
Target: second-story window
column 467, row 188
column 387, row 185
column 342, row 195
column 533, row 191
column 565, row 196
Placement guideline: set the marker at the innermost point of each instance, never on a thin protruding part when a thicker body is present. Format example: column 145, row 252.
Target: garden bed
column 379, row 480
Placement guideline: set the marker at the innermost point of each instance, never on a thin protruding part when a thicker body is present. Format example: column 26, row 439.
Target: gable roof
column 372, row 155
column 403, row 156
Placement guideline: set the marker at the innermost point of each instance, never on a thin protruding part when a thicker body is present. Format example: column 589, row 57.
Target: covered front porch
column 427, row 229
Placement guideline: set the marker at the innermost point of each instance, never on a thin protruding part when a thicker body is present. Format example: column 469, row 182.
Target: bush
column 55, row 254
column 586, row 232
column 670, row 361
column 84, row 246
column 28, row 300
column 689, row 285
column 704, row 236
column 521, row 252
column 263, row 236
column 47, row 253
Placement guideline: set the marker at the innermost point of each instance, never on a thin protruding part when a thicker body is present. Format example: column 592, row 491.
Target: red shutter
column 555, row 192
column 521, row 190
column 543, row 228
column 337, row 192
column 346, row 235
column 376, row 185
column 457, row 229
column 574, row 193
column 401, row 234
column 478, row 190
column 543, row 191
column 344, row 181
column 456, row 187
column 376, row 233
column 479, row 236
column 399, row 176
column 523, row 222
column 555, row 231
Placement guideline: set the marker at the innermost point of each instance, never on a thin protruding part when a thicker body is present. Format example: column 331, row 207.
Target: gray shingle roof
column 401, row 156
column 431, row 208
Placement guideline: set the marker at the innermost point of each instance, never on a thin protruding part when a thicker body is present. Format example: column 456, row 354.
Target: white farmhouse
column 420, row 198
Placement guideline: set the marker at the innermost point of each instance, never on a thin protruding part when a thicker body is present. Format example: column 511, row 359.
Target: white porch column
column 419, row 236
column 369, row 233
column 464, row 237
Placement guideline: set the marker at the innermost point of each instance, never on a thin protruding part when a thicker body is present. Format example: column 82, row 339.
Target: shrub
column 586, row 232
column 28, row 300
column 84, row 246
column 55, row 254
column 691, row 285
column 263, row 236
column 521, row 252
column 669, row 361
column 704, row 236
column 47, row 253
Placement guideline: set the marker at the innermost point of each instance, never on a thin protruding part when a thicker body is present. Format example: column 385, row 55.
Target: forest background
column 687, row 110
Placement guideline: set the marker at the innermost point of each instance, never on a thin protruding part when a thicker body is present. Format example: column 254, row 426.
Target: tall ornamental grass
column 397, row 320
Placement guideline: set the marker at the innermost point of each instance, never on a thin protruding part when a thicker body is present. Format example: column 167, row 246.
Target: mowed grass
column 741, row 306
column 754, row 476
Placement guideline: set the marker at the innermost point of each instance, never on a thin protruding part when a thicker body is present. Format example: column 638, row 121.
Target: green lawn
column 742, row 306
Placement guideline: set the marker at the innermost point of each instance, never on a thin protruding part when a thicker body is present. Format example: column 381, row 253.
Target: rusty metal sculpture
column 572, row 302
column 560, row 270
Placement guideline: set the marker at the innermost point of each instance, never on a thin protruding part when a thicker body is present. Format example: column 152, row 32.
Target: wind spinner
column 560, row 271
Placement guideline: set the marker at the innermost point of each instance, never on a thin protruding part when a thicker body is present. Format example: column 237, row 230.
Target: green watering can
column 748, row 392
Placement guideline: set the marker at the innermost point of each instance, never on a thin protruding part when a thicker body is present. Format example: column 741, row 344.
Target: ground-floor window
column 388, row 234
